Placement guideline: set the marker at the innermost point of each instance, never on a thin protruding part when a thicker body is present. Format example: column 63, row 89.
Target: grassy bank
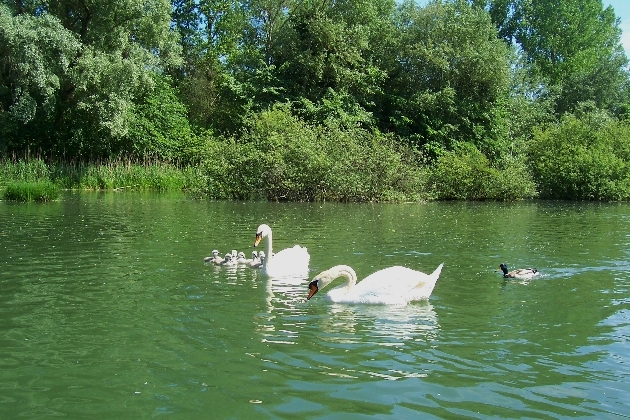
column 114, row 175
column 281, row 158
column 31, row 191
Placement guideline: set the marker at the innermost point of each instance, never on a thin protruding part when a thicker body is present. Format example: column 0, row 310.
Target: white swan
column 288, row 262
column 394, row 285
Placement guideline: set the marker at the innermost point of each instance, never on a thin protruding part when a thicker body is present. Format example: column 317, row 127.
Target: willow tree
column 36, row 54
column 121, row 42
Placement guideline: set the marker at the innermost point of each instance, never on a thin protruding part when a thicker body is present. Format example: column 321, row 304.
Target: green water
column 107, row 310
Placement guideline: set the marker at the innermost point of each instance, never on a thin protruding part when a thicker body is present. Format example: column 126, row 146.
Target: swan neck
column 341, row 271
column 268, row 247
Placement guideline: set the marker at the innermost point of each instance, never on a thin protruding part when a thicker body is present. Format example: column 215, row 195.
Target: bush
column 583, row 158
column 283, row 158
column 466, row 174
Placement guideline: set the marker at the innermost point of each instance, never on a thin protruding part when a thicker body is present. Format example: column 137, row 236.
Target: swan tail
column 437, row 272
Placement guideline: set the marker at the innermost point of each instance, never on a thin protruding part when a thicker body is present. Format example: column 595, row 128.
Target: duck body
column 391, row 286
column 521, row 273
column 286, row 263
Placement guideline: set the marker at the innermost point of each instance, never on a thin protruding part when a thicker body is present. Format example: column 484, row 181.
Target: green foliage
column 327, row 100
column 151, row 175
column 29, row 171
column 35, row 59
column 449, row 79
column 159, row 127
column 283, row 158
column 583, row 157
column 466, row 174
column 31, row 191
column 579, row 60
column 154, row 176
column 74, row 70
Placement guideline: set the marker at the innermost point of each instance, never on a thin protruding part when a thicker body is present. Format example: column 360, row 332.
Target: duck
column 521, row 273
column 395, row 285
column 286, row 263
column 215, row 258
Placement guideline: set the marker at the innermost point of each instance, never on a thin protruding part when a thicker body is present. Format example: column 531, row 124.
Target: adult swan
column 394, row 285
column 286, row 263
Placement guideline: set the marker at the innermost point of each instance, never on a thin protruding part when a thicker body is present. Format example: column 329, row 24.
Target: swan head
column 215, row 252
column 254, row 255
column 313, row 287
column 241, row 254
column 262, row 232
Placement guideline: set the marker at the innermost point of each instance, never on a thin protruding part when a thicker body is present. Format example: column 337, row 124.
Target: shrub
column 466, row 174
column 283, row 158
column 583, row 158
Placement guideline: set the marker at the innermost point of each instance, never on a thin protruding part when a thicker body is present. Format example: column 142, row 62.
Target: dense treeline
column 353, row 100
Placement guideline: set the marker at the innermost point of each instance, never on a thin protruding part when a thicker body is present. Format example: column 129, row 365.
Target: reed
column 113, row 175
column 31, row 191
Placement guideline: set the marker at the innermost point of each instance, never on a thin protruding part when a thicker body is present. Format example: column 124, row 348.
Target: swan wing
column 289, row 261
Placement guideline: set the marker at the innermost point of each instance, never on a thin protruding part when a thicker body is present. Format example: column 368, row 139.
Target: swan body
column 288, row 262
column 394, row 285
column 521, row 273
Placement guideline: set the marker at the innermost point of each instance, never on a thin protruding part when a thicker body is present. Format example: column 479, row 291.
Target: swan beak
column 312, row 289
column 258, row 239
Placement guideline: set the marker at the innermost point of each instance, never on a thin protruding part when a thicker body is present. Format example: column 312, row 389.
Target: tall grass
column 116, row 175
column 31, row 191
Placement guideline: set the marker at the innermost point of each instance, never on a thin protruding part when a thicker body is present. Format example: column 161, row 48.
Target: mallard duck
column 521, row 273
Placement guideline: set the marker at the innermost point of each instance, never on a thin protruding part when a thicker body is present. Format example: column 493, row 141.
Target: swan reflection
column 385, row 325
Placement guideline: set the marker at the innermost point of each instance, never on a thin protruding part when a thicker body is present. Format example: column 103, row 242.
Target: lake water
column 107, row 310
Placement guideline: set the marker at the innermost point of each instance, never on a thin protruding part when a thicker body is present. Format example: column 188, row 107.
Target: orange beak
column 258, row 239
column 312, row 289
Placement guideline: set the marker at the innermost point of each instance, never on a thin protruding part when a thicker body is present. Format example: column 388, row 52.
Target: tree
column 573, row 47
column 328, row 55
column 36, row 55
column 121, row 44
column 450, row 78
